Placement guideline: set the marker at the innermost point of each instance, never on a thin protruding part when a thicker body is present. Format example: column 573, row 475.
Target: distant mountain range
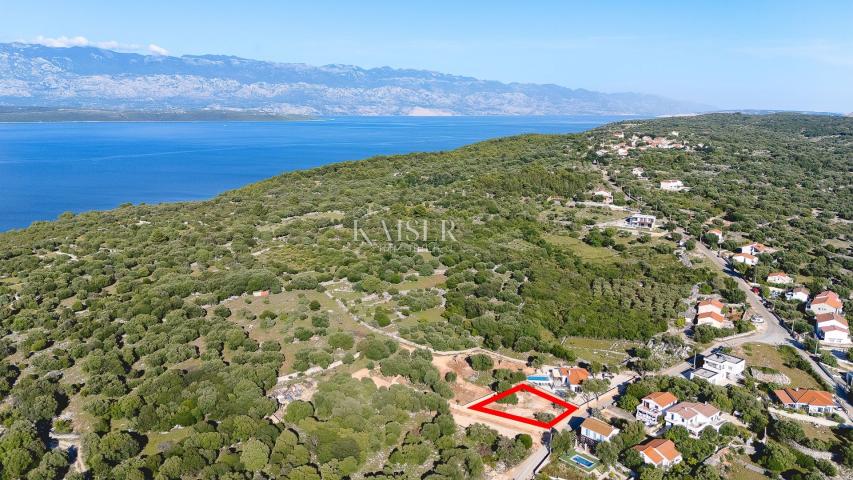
column 93, row 78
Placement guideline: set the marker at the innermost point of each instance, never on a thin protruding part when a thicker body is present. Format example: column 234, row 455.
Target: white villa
column 594, row 431
column 638, row 220
column 832, row 328
column 719, row 367
column 659, row 452
column 653, row 406
column 779, row 278
column 568, row 378
column 753, row 248
column 717, row 233
column 812, row 401
column 710, row 312
column 800, row 294
column 694, row 416
column 672, row 185
column 826, row 302
column 746, row 258
column 710, row 305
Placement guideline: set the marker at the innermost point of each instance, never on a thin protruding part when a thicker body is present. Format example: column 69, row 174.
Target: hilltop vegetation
column 123, row 324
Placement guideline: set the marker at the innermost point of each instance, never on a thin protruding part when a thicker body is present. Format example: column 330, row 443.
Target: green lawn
column 601, row 350
column 737, row 471
column 567, row 458
column 155, row 439
column 762, row 355
column 581, row 249
column 819, row 432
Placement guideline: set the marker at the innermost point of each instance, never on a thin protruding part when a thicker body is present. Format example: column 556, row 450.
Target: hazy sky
column 774, row 54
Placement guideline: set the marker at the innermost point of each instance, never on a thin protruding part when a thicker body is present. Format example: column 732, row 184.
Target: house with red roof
column 659, row 452
column 694, row 416
column 710, row 312
column 653, row 406
column 710, row 305
column 832, row 328
column 570, row 378
column 716, row 232
column 812, row 401
column 746, row 258
column 754, row 248
column 594, row 431
column 826, row 302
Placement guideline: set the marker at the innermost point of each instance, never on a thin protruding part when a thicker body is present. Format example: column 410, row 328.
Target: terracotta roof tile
column 661, row 398
column 712, row 301
column 712, row 315
column 828, row 297
column 597, row 426
column 689, row 410
column 659, row 449
column 828, row 317
column 815, row 398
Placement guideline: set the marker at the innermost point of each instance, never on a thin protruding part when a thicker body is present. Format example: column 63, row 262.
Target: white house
column 671, row 185
column 800, row 294
column 826, row 302
column 714, row 319
column 653, row 406
column 710, row 312
column 779, row 278
column 710, row 305
column 639, row 220
column 659, row 452
column 746, row 258
column 717, row 233
column 832, row 328
column 694, row 416
column 606, row 196
column 812, row 401
column 711, row 376
column 637, row 172
column 753, row 248
column 594, row 431
column 568, row 378
column 731, row 366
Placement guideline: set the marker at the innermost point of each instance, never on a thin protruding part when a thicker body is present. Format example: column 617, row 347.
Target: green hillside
column 157, row 333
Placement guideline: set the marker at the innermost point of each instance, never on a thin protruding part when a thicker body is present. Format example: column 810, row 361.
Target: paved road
column 526, row 470
column 773, row 333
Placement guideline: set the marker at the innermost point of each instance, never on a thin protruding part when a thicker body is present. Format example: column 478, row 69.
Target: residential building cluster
column 643, row 143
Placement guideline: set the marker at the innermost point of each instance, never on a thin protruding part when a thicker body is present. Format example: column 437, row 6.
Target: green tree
column 255, row 455
column 481, row 362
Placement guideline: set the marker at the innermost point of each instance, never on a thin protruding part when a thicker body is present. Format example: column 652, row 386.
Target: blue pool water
column 584, row 462
column 50, row 168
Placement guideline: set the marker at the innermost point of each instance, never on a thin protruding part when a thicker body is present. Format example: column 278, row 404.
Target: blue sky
column 758, row 54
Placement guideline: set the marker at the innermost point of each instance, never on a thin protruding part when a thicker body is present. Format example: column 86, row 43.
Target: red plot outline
column 569, row 408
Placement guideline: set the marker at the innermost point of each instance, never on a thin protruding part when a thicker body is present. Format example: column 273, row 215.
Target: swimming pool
column 583, row 461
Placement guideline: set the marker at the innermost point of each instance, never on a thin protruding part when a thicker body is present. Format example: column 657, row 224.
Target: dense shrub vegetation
column 118, row 317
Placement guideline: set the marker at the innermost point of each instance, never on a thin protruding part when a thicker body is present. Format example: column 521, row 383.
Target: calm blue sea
column 50, row 168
